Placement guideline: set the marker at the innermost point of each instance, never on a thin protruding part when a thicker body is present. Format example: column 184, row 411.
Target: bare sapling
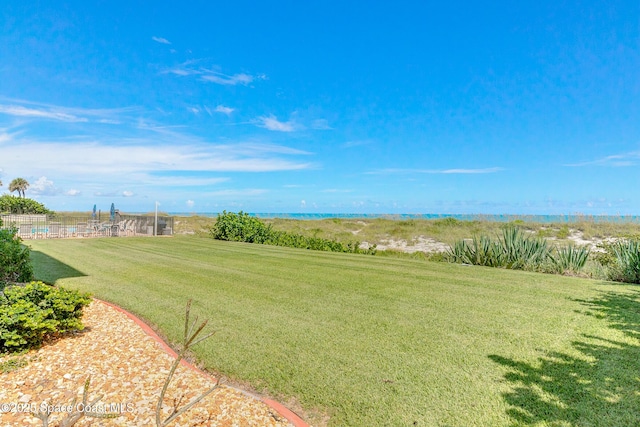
column 190, row 339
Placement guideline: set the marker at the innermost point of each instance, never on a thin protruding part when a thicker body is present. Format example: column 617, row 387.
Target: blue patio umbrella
column 113, row 212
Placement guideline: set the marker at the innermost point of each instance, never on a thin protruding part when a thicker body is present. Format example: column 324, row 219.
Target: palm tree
column 20, row 185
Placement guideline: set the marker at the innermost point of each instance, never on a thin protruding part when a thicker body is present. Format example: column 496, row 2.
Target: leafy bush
column 242, row 227
column 446, row 222
column 20, row 205
column 564, row 232
column 605, row 255
column 15, row 264
column 28, row 313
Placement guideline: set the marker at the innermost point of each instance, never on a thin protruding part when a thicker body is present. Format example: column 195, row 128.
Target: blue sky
column 323, row 106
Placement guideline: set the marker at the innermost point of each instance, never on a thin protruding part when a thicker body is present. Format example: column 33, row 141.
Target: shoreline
column 535, row 218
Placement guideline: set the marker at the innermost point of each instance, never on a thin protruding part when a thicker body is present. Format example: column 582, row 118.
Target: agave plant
column 523, row 252
column 627, row 254
column 571, row 258
column 459, row 253
column 487, row 252
column 513, row 250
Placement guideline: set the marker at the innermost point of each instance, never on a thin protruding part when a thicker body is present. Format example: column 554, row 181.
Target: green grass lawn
column 375, row 341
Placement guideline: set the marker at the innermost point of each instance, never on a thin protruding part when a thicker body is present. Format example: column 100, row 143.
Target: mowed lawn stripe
column 366, row 340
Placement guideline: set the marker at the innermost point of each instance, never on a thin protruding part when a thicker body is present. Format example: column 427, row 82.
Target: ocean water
column 462, row 217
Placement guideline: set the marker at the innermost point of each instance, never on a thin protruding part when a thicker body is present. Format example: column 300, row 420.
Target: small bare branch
column 189, row 340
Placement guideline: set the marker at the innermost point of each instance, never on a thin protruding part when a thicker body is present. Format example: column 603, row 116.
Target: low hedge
column 28, row 313
column 242, row 227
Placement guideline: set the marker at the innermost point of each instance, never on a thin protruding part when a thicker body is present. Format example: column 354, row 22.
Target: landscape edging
column 291, row 416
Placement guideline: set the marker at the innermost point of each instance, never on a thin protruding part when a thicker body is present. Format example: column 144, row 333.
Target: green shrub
column 627, row 261
column 446, row 222
column 564, row 232
column 29, row 313
column 12, row 364
column 605, row 256
column 15, row 263
column 242, row 227
column 22, row 205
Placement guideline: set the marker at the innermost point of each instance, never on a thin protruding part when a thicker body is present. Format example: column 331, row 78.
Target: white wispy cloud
column 160, row 40
column 100, row 160
column 255, row 148
column 20, row 111
column 272, row 123
column 356, row 143
column 134, row 160
column 224, row 110
column 391, row 171
column 617, row 160
column 179, row 181
column 224, row 79
column 182, row 71
column 36, row 110
column 215, row 76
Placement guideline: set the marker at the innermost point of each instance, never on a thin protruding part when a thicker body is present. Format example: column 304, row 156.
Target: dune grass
column 373, row 341
column 446, row 230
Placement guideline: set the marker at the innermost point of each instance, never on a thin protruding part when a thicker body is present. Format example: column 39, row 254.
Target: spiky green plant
column 487, row 252
column 523, row 252
column 627, row 267
column 571, row 258
column 458, row 253
column 514, row 250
